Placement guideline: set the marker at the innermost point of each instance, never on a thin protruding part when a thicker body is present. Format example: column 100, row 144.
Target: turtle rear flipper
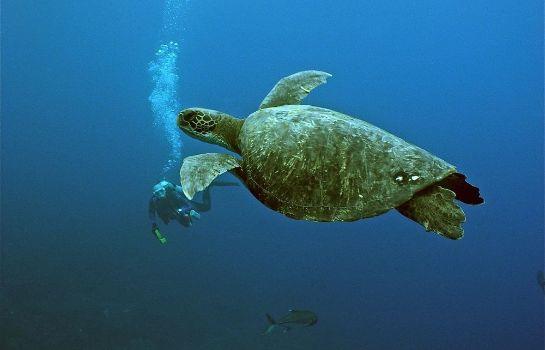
column 434, row 208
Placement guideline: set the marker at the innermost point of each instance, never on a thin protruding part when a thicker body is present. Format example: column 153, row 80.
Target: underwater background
column 83, row 144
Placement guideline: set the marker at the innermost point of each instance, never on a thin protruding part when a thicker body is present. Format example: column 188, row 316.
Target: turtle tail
column 464, row 191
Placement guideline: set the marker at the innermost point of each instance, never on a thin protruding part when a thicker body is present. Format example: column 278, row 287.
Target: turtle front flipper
column 197, row 172
column 434, row 208
column 291, row 90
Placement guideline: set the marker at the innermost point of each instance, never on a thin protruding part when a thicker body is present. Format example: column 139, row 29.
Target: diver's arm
column 206, row 202
column 200, row 207
column 207, row 199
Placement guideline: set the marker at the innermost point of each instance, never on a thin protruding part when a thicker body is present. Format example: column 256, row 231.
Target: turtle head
column 211, row 126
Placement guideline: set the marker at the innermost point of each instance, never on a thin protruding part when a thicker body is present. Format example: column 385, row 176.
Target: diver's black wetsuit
column 175, row 206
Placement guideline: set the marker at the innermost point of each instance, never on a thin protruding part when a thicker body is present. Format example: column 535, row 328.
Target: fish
column 541, row 280
column 294, row 318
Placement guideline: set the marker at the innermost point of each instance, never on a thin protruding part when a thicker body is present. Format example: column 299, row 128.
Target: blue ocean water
column 81, row 150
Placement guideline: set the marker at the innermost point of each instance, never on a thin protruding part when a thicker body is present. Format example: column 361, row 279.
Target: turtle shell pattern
column 316, row 164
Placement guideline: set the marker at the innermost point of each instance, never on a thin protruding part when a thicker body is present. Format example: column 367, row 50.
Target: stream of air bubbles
column 165, row 77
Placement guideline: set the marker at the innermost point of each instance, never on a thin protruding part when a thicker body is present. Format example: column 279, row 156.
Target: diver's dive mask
column 160, row 190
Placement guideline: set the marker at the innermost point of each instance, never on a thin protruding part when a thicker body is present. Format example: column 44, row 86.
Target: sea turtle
column 316, row 164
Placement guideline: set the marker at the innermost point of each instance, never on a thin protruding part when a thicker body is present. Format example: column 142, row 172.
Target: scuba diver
column 169, row 203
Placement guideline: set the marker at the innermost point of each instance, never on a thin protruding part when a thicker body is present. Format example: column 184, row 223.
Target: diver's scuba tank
column 155, row 230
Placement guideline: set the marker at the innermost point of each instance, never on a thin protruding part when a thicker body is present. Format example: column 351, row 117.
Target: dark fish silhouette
column 294, row 318
column 541, row 280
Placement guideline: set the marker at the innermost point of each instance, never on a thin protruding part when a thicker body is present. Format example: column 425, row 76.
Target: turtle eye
column 187, row 117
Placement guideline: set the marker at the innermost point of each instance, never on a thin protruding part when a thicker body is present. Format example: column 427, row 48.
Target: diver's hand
column 193, row 214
